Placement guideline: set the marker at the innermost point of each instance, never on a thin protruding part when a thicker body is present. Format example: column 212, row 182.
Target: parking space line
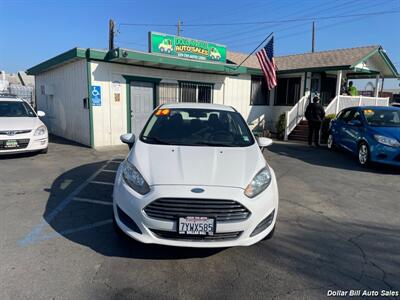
column 34, row 235
column 73, row 230
column 102, row 182
column 112, row 171
column 91, row 201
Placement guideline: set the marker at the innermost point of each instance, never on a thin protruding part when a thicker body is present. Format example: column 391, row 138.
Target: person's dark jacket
column 315, row 112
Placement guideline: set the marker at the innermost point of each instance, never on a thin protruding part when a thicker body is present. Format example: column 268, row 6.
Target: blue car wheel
column 363, row 154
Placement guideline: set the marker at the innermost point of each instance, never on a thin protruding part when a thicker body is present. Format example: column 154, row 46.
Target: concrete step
column 297, row 137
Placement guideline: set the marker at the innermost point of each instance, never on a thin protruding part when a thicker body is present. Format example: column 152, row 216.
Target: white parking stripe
column 112, row 171
column 91, row 201
column 36, row 232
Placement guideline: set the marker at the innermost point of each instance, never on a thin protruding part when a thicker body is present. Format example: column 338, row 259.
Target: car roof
column 5, row 97
column 199, row 106
column 379, row 107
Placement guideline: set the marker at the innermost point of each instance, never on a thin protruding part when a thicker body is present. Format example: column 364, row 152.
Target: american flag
column 266, row 59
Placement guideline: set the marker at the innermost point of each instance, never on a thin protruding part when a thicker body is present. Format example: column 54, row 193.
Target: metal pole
column 313, row 37
column 179, row 28
column 111, row 34
column 254, row 50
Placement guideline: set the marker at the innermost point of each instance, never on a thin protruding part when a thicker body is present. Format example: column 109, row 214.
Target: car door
column 352, row 130
column 339, row 126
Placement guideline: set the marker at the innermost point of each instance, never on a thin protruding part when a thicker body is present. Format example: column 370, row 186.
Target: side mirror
column 356, row 123
column 41, row 114
column 128, row 138
column 264, row 142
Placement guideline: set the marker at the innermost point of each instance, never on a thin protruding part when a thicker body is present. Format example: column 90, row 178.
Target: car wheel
column 363, row 154
column 118, row 230
column 331, row 143
column 270, row 235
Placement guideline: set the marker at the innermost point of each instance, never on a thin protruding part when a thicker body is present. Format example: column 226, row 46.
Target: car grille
column 172, row 235
column 173, row 208
column 13, row 132
column 22, row 143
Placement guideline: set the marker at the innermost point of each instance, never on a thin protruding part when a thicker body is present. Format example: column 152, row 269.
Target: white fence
column 341, row 102
column 296, row 113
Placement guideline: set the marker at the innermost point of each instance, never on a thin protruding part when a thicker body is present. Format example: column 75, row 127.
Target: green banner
column 186, row 48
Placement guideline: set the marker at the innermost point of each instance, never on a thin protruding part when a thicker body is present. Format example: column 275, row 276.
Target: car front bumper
column 36, row 143
column 385, row 154
column 132, row 206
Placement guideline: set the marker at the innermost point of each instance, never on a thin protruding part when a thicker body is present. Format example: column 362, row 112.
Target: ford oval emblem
column 197, row 190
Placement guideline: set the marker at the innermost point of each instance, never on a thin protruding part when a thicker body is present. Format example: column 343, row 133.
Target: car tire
column 363, row 154
column 118, row 230
column 270, row 235
column 44, row 151
column 331, row 142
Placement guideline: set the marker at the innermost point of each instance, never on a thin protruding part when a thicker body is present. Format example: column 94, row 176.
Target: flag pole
column 254, row 50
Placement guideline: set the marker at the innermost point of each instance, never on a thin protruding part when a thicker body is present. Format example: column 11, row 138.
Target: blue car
column 370, row 132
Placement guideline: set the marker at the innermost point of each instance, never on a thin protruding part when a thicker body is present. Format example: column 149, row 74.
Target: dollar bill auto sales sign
column 186, row 48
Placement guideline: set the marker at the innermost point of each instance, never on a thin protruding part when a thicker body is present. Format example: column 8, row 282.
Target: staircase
column 300, row 132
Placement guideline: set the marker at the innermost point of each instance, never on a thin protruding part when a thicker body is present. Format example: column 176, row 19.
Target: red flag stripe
column 260, row 60
column 270, row 70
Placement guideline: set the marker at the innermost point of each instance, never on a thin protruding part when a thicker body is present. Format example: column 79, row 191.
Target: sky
column 35, row 30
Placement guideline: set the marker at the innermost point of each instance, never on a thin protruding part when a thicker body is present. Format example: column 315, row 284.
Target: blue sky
column 33, row 30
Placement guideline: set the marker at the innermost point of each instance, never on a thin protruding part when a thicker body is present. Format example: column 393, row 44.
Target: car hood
column 393, row 132
column 19, row 123
column 202, row 166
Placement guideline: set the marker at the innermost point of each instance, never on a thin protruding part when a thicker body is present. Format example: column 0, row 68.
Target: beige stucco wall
column 65, row 88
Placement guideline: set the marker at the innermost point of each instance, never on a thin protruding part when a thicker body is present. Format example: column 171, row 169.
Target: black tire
column 118, row 230
column 363, row 154
column 270, row 235
column 331, row 142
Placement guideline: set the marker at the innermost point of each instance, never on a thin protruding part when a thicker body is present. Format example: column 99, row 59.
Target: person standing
column 314, row 114
column 352, row 90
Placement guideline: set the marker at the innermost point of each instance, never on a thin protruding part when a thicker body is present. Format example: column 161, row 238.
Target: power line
column 265, row 22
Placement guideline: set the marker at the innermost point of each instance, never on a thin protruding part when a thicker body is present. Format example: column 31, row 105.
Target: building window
column 195, row 92
column 259, row 94
column 167, row 93
column 287, row 91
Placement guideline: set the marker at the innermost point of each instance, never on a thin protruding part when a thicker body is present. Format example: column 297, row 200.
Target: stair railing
column 294, row 116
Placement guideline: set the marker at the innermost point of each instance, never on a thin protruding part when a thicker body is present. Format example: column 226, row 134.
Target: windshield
column 197, row 127
column 15, row 109
column 382, row 118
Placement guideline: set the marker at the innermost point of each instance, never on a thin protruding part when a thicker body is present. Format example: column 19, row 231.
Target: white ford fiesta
column 20, row 127
column 195, row 177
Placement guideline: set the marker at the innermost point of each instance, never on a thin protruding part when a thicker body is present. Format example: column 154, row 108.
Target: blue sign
column 96, row 95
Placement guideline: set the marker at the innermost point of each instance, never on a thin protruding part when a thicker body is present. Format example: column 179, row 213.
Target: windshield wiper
column 213, row 144
column 156, row 139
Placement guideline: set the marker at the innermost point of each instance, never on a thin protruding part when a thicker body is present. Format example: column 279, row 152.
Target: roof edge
column 56, row 60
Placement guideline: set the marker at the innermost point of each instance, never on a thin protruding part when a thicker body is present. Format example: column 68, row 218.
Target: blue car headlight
column 388, row 141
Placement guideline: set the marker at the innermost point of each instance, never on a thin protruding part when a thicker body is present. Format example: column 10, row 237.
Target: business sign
column 96, row 95
column 185, row 47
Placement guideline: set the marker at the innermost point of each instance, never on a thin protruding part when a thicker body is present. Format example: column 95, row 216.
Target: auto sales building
column 93, row 96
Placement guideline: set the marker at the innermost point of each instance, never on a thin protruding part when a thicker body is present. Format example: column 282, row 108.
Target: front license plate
column 196, row 225
column 11, row 144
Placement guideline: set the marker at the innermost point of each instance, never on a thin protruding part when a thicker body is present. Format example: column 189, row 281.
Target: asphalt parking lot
column 338, row 229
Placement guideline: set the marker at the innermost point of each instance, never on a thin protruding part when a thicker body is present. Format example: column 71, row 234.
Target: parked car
column 395, row 104
column 372, row 133
column 21, row 130
column 195, row 177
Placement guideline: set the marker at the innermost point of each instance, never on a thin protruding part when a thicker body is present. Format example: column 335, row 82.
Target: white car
column 20, row 127
column 195, row 177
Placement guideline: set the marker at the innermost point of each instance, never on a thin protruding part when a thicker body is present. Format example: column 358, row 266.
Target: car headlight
column 134, row 179
column 259, row 183
column 387, row 140
column 41, row 130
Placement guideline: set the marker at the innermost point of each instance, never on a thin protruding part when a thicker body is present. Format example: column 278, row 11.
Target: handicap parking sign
column 96, row 95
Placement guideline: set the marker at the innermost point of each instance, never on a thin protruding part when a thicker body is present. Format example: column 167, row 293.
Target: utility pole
column 313, row 37
column 111, row 34
column 179, row 28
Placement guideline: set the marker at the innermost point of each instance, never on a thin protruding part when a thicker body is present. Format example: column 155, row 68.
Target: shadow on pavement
column 90, row 224
column 322, row 156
